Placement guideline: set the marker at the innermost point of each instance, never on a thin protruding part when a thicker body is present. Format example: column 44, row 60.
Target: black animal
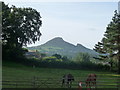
column 67, row 80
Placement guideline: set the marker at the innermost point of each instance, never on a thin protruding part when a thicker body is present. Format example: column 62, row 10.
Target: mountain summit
column 57, row 39
column 58, row 42
column 59, row 46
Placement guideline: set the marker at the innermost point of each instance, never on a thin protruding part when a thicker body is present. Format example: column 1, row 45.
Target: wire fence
column 51, row 82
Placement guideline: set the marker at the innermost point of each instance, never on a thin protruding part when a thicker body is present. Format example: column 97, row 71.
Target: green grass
column 50, row 48
column 14, row 71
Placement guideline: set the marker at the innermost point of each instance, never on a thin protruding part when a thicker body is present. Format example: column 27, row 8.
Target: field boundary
column 40, row 82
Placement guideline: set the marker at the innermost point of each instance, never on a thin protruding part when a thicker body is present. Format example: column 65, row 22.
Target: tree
column 20, row 26
column 65, row 59
column 110, row 44
column 82, row 57
column 58, row 56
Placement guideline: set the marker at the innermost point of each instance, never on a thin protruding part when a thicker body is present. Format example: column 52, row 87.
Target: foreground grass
column 14, row 71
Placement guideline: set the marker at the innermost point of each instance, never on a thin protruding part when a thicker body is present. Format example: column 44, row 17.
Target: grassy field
column 16, row 72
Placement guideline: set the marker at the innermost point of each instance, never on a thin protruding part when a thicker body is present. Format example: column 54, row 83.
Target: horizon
column 62, row 39
column 76, row 22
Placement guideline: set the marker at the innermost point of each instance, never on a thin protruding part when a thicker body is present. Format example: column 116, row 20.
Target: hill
column 59, row 46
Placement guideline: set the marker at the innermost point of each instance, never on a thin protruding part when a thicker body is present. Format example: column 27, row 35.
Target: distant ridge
column 58, row 42
column 59, row 46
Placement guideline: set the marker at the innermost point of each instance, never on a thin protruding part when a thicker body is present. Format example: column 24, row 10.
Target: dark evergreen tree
column 110, row 44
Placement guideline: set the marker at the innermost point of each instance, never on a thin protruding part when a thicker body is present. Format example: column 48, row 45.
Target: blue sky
column 75, row 22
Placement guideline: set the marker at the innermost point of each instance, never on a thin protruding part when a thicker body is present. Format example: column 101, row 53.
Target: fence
column 51, row 82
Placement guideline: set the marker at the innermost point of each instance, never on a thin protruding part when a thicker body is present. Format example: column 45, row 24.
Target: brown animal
column 91, row 80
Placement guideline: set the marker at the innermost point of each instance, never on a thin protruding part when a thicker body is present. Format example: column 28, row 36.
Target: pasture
column 20, row 76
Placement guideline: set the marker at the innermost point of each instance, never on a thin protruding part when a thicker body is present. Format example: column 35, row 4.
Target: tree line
column 58, row 61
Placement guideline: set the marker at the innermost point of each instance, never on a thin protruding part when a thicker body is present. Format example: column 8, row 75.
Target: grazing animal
column 91, row 80
column 67, row 80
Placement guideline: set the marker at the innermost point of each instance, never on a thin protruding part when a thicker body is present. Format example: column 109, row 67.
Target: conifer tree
column 110, row 44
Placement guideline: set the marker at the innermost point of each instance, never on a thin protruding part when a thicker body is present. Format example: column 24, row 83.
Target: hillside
column 59, row 46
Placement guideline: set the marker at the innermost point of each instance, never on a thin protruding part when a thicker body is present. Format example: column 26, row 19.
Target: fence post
column 34, row 82
column 16, row 84
column 118, row 83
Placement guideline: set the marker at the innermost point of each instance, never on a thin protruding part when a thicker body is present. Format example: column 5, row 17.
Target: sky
column 76, row 22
